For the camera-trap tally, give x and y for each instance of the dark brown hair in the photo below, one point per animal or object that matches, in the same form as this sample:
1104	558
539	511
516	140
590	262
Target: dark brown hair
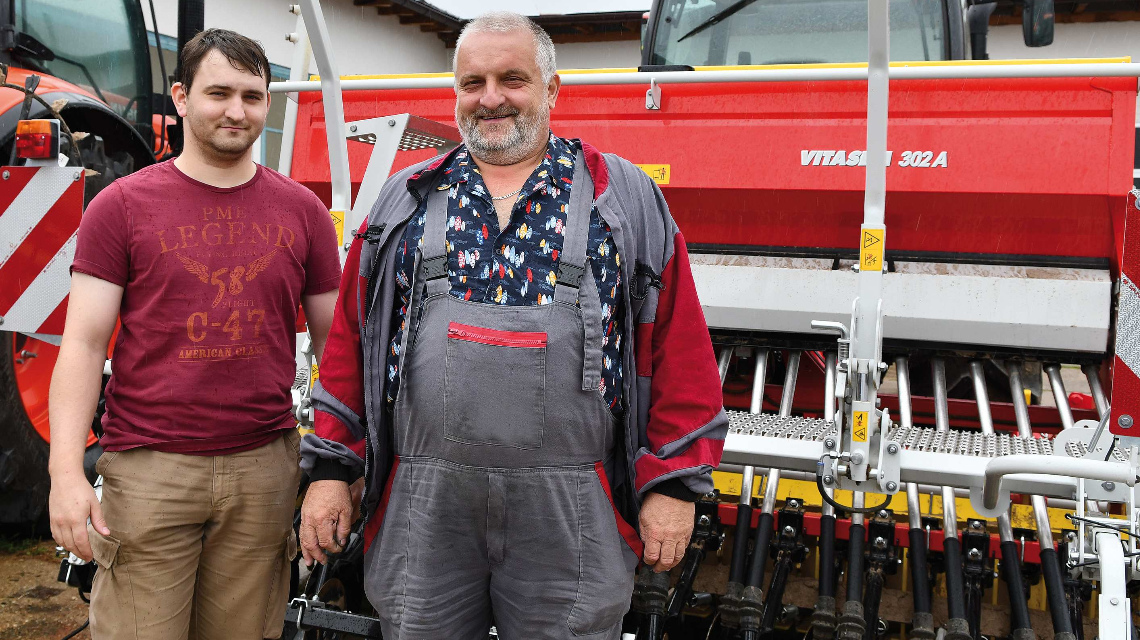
242	52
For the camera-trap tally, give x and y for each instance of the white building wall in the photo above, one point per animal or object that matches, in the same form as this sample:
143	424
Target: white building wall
599	55
363	41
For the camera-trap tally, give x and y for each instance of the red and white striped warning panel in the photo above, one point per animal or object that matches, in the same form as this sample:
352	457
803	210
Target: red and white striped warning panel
41	211
1125	420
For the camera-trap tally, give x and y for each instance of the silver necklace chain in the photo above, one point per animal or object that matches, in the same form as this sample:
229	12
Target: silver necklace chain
511	194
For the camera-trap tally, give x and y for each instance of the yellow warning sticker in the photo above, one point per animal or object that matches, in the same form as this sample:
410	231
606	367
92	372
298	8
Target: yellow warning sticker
859	426
338	222
871	249
659	172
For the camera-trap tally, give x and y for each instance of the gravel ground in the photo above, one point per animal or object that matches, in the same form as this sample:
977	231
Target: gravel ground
33	605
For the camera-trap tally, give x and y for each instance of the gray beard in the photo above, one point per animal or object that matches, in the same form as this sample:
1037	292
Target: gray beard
527	135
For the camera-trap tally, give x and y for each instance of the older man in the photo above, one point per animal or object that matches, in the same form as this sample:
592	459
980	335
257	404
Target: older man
519	367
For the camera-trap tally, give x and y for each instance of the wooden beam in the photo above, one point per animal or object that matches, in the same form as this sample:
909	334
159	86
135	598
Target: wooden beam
433	27
388	10
372	3
414	18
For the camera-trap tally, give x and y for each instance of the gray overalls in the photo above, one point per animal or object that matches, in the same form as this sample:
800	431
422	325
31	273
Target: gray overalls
498	503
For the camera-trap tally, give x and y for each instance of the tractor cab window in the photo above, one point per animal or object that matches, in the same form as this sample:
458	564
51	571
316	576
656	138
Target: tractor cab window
742	32
113	65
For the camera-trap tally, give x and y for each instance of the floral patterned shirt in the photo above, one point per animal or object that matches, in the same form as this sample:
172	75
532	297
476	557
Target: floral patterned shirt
516	265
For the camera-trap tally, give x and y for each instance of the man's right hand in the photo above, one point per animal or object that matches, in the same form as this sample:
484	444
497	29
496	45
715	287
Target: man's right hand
326	520
71	501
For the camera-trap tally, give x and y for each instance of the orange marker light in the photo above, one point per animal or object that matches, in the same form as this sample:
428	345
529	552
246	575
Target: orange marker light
37	139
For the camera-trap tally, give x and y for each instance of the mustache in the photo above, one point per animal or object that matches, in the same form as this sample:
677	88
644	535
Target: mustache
482	112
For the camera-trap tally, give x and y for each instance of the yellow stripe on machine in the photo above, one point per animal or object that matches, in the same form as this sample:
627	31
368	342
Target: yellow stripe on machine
1021	515
830	65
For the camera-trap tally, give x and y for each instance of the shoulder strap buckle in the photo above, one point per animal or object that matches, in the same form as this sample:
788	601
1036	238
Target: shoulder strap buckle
570	274
372	234
435	268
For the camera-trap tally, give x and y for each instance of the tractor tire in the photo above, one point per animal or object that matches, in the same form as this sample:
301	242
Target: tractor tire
24	480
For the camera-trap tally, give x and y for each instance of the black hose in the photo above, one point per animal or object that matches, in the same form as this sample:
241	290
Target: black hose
827	556
846	507
759	561
655	627
858	536
1018	603
774	605
918	571
955	589
740	543
78	630
1055	592
872	596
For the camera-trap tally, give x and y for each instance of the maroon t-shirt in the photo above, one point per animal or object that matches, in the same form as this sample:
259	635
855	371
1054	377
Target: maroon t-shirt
212	279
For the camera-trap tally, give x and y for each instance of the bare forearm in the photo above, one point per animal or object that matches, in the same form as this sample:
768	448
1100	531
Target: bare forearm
75	386
319	314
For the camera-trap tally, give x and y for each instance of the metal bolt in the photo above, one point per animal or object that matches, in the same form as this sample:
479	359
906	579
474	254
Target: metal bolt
880	543
1071	536
77	176
892	486
828	443
974	554
7	174
793	503
703	521
1108	486
1114	601
1125	421
884	514
392	123
857	457
352	128
892	448
975	525
1	319
789	531
827	480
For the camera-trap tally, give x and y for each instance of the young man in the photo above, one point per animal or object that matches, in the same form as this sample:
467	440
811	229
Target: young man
204	260
520	366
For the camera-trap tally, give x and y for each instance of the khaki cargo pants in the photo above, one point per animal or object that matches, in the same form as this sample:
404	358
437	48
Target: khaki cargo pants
200	546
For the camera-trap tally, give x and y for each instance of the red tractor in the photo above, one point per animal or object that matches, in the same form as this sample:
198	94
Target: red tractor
91	63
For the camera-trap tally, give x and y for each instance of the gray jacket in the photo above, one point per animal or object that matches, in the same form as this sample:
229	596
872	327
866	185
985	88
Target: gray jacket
674	420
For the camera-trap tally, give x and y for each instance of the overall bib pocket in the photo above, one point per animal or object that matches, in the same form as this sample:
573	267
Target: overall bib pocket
480	364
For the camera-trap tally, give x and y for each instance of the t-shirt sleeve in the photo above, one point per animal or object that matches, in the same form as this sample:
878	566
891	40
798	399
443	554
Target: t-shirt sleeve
322	270
102	248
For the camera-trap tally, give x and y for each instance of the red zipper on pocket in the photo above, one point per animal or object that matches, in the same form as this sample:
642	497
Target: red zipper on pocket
535	340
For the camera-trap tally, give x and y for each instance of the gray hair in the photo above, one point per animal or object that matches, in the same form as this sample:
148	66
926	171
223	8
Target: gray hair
506	22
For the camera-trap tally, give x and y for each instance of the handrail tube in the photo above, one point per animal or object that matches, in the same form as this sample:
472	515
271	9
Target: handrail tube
842	74
1099	470
331	91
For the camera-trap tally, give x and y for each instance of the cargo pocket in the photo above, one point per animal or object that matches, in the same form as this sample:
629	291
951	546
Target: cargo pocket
104	549
607	560
279	590
475	410
111	588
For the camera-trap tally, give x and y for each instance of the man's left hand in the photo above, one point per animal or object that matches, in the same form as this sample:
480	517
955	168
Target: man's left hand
666	524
